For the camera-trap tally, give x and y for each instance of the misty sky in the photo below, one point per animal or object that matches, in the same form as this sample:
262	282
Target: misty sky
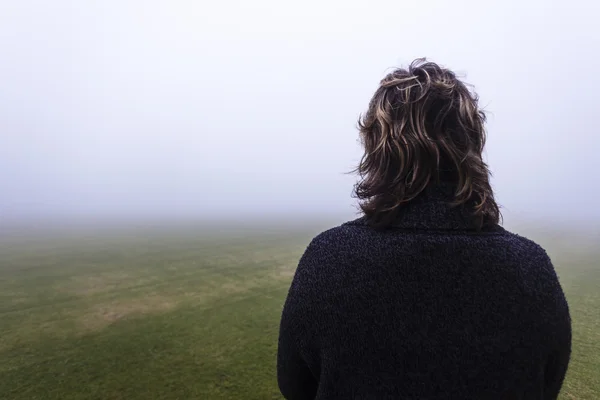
141	108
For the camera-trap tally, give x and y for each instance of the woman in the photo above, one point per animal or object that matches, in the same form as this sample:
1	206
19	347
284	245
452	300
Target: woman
425	296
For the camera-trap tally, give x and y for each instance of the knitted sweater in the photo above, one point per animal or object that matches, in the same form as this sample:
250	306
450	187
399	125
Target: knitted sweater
431	308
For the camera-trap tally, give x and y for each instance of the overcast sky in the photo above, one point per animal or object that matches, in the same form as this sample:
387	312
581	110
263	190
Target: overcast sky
176	107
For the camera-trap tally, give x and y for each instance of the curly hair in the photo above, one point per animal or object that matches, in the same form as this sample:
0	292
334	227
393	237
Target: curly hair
423	125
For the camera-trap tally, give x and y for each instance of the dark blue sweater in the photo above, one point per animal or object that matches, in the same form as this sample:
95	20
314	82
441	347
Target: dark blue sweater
430	309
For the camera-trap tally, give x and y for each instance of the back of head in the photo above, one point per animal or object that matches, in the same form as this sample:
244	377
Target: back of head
423	127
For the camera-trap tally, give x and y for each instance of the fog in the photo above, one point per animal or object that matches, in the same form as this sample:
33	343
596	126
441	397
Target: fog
177	109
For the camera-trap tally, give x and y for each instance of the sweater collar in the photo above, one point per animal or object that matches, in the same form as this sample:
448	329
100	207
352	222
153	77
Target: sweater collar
431	210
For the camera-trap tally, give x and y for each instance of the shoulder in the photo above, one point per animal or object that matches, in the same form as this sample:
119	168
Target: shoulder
527	249
332	248
344	236
535	265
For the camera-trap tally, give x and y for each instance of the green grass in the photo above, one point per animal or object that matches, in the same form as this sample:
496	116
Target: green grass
181	314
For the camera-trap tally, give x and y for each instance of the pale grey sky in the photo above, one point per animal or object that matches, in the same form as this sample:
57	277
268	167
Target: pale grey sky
203	108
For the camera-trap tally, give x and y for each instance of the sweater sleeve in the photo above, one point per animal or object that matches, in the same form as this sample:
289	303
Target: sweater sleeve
295	378
558	359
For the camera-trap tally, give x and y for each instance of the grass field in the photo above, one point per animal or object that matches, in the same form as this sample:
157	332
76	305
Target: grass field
178	313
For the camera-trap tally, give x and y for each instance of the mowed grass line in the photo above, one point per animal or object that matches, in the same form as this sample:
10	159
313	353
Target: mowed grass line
188	315
95	326
226	353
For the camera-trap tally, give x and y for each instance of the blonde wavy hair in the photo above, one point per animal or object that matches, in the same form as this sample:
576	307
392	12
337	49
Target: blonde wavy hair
423	125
